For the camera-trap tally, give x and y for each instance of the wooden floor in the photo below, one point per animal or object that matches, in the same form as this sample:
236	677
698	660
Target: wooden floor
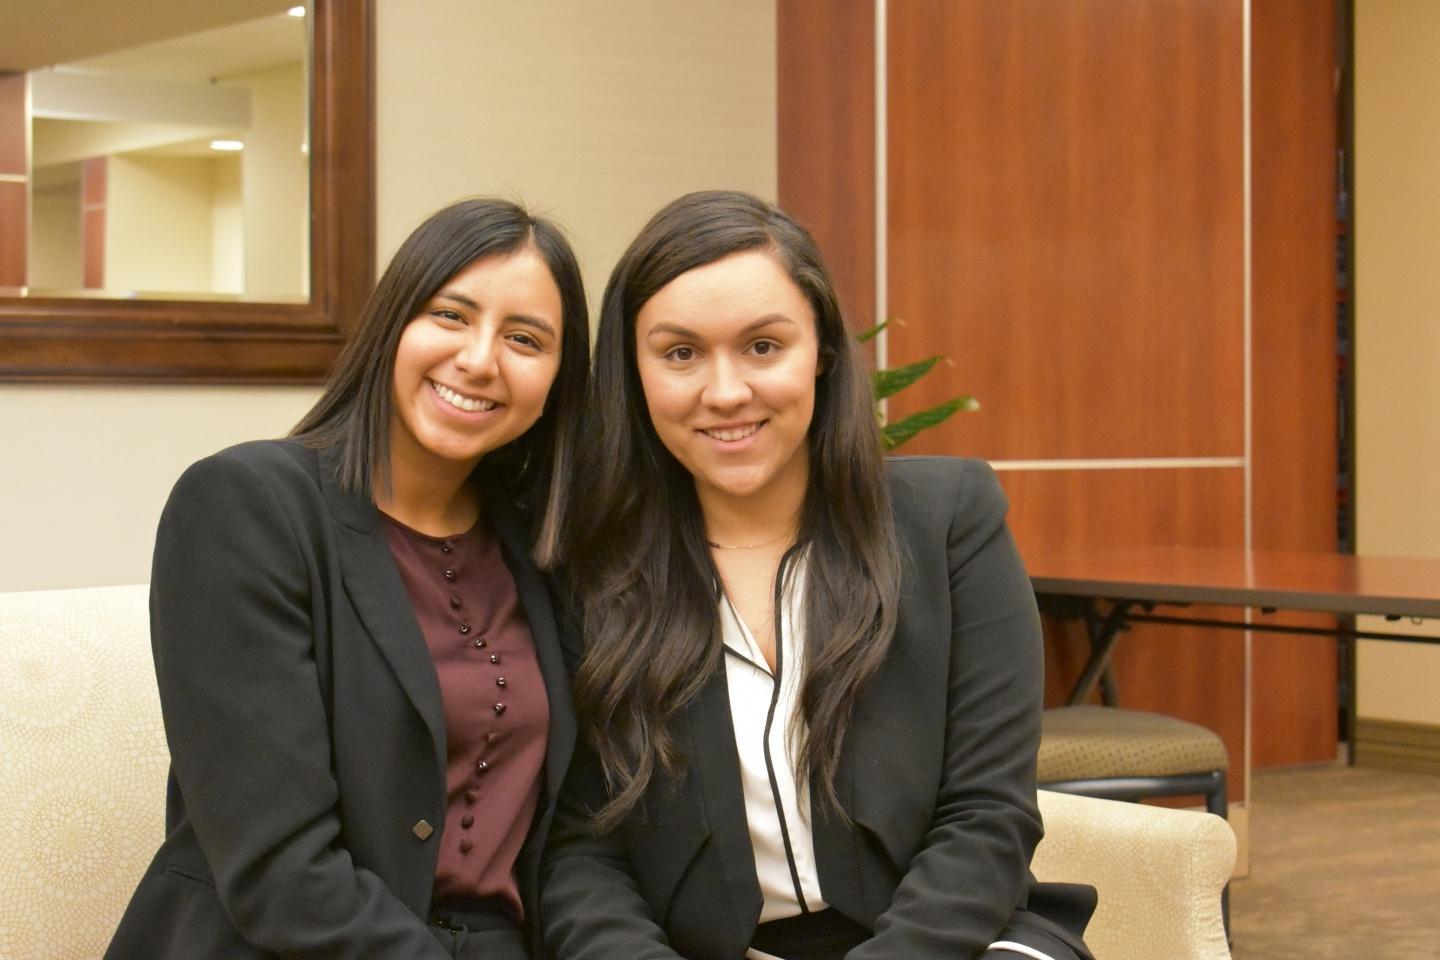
1345	865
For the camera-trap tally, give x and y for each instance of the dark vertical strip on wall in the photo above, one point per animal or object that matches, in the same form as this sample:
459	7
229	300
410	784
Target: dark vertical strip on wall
1293	324
94	189
14	185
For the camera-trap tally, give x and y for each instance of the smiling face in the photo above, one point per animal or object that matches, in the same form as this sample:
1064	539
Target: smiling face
473	368
728	355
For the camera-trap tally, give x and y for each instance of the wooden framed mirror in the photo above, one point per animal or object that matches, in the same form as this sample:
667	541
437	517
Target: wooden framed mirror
185	339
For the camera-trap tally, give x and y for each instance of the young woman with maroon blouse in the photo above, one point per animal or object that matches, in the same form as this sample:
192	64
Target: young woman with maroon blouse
364	688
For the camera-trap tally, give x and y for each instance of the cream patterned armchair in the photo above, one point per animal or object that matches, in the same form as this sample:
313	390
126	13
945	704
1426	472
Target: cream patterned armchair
82	792
82	800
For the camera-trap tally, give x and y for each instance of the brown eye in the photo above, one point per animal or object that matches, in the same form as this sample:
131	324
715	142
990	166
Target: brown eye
682	354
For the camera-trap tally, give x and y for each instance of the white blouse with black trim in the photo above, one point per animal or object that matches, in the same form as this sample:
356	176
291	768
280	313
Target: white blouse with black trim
763	711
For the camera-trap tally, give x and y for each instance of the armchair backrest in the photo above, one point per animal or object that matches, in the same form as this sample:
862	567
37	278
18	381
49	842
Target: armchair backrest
82	800
82	795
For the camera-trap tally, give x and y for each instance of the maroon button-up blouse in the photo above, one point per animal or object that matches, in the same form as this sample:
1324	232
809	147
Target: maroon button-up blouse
497	716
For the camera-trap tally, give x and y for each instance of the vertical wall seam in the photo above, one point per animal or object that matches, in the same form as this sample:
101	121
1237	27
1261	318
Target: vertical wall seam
1247	272
882	176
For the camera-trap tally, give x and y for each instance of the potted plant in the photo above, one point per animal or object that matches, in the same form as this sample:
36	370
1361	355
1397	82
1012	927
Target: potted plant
889	382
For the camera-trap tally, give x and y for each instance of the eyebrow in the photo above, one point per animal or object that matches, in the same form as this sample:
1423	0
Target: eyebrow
683	331
522	318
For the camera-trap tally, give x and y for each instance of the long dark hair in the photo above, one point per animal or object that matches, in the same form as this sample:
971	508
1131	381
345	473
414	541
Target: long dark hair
640	564
353	414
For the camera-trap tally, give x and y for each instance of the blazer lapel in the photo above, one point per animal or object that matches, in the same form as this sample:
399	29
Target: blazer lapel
865	788
535	598
837	857
876	759
716	765
375	589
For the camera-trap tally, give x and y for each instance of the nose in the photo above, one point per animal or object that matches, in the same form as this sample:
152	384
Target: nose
479	353
727	386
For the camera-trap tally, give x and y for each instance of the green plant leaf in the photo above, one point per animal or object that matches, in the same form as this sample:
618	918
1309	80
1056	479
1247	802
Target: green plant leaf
873	332
894	434
887	383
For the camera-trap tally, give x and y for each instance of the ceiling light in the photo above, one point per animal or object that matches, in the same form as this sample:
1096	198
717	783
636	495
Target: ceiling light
229	145
296	11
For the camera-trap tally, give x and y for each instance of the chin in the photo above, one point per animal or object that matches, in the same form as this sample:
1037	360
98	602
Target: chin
455	452
743	485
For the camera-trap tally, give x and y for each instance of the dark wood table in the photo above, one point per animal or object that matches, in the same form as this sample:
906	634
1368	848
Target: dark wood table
1135	581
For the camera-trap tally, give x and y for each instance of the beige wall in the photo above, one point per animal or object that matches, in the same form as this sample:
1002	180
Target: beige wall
1397	313
275	183
87	469
158	213
55	237
228	227
596	113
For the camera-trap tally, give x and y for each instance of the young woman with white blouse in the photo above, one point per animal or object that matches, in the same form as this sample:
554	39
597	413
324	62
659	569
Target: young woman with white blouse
811	688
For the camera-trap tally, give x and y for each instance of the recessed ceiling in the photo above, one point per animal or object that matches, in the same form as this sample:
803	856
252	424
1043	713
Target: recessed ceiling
42	33
225	51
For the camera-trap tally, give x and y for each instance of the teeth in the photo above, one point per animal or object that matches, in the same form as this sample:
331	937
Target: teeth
731	434
461	402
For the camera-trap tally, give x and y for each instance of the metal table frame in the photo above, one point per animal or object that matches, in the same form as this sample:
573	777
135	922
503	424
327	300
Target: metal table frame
1113	590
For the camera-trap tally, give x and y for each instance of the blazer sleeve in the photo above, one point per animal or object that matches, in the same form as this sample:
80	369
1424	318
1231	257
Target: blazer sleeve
972	871
590	902
234	611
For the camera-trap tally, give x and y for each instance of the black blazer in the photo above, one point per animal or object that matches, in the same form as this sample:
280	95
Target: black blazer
304	720
937	774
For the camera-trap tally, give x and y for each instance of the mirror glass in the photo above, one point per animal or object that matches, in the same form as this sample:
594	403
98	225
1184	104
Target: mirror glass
176	167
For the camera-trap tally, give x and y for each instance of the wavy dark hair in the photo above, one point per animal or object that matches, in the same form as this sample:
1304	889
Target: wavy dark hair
353	413
648	589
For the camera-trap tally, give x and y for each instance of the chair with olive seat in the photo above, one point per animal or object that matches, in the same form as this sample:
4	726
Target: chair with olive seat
1120	754
1124	754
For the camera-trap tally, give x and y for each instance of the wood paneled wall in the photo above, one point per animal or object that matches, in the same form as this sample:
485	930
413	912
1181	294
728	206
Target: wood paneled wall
825	110
1293	459
1065	213
1067	221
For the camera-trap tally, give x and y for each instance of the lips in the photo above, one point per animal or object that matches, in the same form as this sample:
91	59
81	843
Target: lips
461	402
732	432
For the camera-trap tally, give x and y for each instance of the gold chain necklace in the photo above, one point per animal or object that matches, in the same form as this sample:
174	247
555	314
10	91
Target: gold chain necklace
749	546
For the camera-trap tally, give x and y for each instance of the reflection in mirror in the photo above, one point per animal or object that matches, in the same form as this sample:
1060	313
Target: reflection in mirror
175	168
269	332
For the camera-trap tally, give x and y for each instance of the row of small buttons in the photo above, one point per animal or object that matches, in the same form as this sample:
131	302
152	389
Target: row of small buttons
482	766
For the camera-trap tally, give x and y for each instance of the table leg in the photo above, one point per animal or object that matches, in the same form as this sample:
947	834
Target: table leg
1109	688
1103	633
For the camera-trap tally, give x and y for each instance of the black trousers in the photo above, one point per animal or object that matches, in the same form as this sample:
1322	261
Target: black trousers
829	935
478	931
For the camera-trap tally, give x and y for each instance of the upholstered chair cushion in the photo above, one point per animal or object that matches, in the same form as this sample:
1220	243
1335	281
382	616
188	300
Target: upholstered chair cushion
82	800
82	796
1091	742
1158	871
